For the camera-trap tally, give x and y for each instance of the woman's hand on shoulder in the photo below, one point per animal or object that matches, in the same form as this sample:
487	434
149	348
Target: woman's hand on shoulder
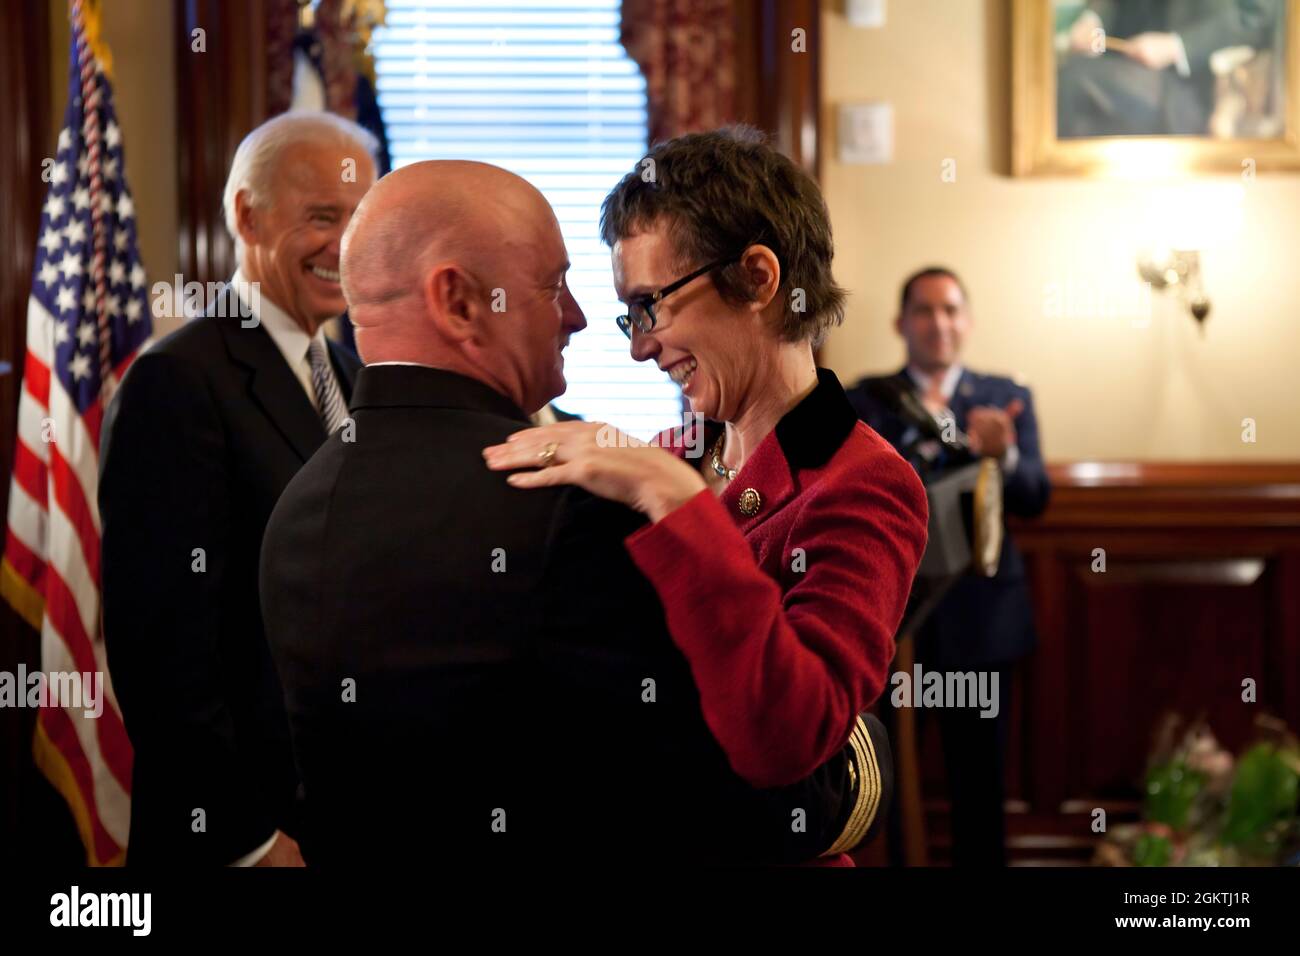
601	459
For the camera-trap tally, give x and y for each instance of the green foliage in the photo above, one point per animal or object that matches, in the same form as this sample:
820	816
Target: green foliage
1152	850
1263	794
1171	789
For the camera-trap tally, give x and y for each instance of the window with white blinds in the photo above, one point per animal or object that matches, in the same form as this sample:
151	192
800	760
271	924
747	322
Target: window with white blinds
544	89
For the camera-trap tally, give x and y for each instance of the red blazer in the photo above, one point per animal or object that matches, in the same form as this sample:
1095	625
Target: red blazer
785	593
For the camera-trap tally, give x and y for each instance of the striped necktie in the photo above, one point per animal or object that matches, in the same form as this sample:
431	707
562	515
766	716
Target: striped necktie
329	400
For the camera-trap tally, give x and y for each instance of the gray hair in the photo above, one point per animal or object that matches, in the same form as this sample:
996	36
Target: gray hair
260	151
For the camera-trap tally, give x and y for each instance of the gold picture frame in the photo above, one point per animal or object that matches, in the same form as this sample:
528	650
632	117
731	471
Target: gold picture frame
1036	149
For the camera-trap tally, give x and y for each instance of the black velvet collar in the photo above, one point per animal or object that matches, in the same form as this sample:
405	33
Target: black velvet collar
811	432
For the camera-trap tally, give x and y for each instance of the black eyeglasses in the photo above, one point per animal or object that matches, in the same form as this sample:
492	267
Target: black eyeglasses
641	310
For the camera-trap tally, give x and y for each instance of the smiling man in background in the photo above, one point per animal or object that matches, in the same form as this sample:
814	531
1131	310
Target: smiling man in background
203	435
982	624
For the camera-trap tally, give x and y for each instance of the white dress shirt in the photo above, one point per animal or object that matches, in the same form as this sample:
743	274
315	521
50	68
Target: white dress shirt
1182	65
289	337
948	388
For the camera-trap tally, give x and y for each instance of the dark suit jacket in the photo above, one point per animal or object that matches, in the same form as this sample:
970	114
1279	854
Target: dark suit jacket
981	621
206	430
475	672
1204	25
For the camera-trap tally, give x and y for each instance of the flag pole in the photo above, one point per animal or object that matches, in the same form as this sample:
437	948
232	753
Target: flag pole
84	11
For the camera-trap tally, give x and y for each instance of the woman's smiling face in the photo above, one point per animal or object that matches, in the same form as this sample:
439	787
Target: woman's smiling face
705	344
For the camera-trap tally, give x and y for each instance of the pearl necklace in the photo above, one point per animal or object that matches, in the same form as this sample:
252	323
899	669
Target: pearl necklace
722	472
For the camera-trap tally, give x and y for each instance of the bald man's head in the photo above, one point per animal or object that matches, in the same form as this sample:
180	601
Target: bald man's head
462	266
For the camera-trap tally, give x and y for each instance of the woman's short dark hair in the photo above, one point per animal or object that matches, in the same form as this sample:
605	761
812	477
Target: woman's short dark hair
725	190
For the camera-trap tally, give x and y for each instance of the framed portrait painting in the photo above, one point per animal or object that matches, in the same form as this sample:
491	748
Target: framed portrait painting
1119	87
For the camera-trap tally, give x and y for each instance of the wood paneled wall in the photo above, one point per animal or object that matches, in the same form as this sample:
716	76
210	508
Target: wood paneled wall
221	96
778	88
1201	590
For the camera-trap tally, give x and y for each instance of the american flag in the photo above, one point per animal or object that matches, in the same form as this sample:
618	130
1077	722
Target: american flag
87	317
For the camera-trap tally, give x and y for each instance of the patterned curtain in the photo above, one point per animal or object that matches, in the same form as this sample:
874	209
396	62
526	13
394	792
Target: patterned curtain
281	28
686	51
330	44
336	39
333	38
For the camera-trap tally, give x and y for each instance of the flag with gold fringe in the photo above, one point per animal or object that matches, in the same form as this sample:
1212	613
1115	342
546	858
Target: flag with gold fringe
87	318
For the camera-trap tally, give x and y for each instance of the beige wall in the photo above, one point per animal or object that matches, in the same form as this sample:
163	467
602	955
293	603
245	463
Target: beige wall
139	36
1050	262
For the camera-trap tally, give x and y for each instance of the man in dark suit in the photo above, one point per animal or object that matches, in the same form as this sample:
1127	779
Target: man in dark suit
1157	79
206	430
475	673
983	624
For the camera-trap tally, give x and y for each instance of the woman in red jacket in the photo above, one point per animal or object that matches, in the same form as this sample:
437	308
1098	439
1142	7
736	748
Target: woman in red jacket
784	533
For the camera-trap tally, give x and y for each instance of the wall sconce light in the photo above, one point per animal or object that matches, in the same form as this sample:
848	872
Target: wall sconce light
1180	270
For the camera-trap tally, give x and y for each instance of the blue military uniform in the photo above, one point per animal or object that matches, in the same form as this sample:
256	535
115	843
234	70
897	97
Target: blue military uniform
982	624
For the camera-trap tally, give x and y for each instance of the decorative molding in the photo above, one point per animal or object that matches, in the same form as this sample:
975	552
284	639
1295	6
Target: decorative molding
221	96
1133	495
778	89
